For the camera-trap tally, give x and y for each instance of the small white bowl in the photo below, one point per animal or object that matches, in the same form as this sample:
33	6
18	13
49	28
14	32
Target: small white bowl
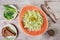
14	29
14	14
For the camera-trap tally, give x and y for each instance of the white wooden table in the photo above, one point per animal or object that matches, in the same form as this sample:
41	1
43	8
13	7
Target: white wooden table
55	6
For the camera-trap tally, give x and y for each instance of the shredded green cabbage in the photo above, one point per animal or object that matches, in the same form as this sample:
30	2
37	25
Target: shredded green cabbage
32	20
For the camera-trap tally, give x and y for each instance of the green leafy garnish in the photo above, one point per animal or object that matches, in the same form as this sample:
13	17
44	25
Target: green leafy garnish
8	15
9	12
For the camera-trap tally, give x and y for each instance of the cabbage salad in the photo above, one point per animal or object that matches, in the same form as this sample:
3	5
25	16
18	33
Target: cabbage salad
32	20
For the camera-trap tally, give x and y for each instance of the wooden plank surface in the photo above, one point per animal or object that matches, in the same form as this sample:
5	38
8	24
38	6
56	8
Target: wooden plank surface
55	6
